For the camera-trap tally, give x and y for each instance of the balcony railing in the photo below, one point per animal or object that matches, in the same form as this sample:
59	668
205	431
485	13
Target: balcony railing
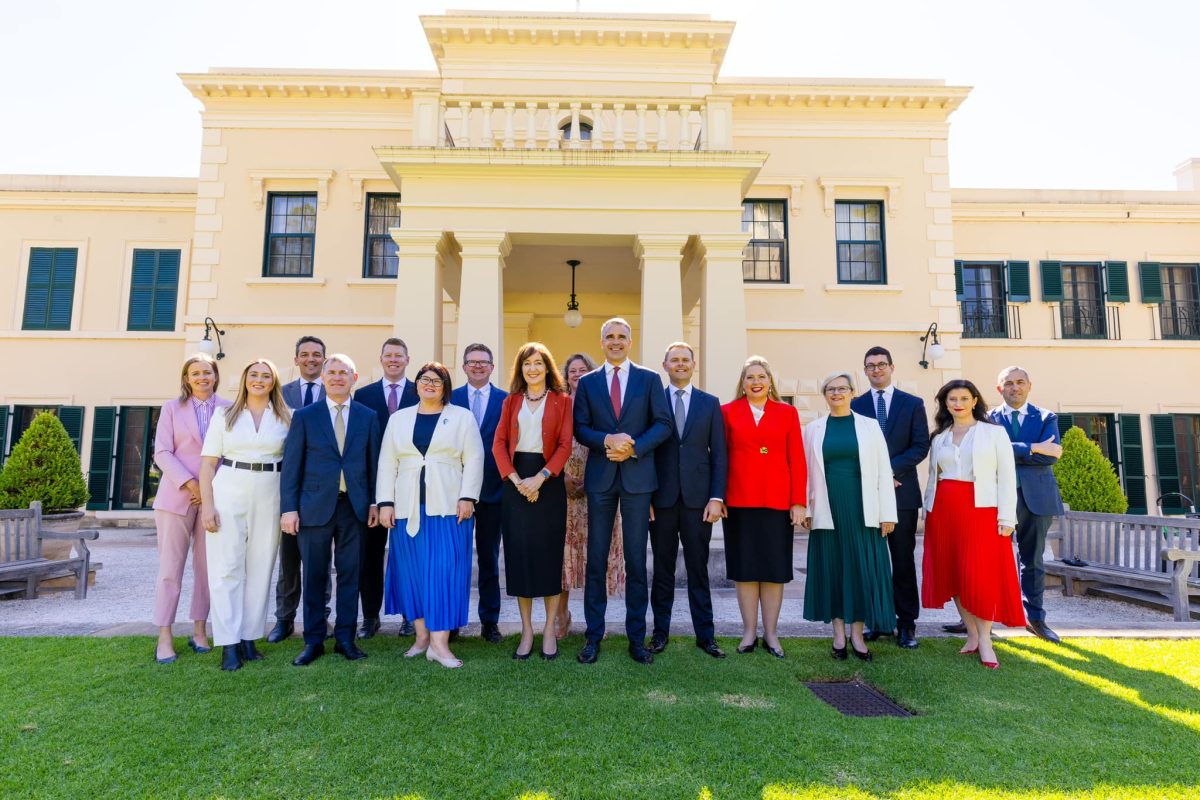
988	319
1088	319
1180	320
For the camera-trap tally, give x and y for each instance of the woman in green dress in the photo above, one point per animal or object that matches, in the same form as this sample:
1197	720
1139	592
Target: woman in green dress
852	507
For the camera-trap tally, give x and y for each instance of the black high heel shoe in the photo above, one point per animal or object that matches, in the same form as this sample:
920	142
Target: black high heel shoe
863	656
775	651
522	656
547	656
747	648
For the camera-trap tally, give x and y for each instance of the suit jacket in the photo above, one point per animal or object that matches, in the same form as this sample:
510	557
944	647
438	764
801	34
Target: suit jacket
878	491
644	416
693	467
177	446
557	428
907	434
375	396
995	477
766	461
293	394
1034	470
492	486
312	464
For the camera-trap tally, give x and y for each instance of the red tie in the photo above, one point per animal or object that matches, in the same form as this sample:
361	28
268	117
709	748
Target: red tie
614	392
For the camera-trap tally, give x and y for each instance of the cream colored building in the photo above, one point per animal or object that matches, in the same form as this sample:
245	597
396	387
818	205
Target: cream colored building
805	220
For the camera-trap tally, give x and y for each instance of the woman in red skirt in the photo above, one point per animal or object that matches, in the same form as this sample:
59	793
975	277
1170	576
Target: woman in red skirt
971	510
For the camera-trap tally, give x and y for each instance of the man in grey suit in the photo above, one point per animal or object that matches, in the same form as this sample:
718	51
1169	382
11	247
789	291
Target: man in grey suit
307	389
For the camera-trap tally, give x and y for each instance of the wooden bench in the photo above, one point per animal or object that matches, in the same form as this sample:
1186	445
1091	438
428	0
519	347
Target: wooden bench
21	561
1157	554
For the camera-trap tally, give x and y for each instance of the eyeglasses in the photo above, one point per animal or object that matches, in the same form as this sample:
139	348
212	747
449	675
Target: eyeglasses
837	389
435	382
477	364
876	367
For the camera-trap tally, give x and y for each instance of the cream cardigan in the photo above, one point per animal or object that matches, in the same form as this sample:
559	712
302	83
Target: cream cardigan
878	490
995	471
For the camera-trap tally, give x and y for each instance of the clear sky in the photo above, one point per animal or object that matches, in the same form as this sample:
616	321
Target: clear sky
1067	94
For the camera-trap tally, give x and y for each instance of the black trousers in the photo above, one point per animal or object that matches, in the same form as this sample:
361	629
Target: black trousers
343	535
1031	543
671	526
902	542
370	576
487	552
287	588
635	524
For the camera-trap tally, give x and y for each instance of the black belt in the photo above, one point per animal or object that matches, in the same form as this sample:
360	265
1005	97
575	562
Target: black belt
263	467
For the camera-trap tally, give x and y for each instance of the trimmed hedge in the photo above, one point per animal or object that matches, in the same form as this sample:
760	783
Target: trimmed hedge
1086	478
44	466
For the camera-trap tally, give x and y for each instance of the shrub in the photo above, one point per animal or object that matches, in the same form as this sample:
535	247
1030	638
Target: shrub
1086	478
43	466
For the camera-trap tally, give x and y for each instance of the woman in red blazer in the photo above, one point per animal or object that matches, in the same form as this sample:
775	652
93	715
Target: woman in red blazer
765	498
532	445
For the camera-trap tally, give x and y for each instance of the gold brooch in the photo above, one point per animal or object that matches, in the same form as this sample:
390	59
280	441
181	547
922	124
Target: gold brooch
762	450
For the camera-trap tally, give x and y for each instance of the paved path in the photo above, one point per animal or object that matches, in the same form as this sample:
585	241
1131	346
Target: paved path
121	600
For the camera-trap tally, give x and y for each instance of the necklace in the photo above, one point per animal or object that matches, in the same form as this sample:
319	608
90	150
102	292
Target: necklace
533	399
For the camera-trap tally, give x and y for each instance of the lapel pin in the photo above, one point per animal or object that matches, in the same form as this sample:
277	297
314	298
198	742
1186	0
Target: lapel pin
762	450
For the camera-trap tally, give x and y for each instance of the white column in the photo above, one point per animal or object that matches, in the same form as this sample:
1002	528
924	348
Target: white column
418	308
481	292
464	130
530	125
575	143
509	109
486	112
722	313
597	128
641	127
685	127
552	134
659	256
662	127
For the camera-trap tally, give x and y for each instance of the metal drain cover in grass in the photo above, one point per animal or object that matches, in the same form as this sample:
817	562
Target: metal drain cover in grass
857	699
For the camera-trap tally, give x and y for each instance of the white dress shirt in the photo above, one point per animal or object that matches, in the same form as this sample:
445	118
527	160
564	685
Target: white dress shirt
955	462
333	412
529	428
622	377
687	399
887	398
1008	411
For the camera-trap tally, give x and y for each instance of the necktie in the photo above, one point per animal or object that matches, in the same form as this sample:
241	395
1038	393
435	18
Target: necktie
477	406
393	399
880	408
680	413
308	394
1014	421
339	433
614	393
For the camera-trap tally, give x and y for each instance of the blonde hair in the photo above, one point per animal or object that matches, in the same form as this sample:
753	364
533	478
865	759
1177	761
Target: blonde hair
275	398
342	357
833	376
756	361
588	361
185	388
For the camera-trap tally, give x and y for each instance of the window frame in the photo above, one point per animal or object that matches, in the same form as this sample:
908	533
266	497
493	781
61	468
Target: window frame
1169	299
155	286
1187	457
269	237
369	237
1100	303
1000	279
784	261
27	283
881	241
149	472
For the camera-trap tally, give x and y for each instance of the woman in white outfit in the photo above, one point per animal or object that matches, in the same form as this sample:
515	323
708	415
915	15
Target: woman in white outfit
240	509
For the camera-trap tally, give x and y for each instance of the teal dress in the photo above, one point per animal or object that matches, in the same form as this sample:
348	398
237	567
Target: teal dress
849	568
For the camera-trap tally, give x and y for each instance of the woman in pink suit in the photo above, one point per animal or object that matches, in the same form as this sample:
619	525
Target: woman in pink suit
182	424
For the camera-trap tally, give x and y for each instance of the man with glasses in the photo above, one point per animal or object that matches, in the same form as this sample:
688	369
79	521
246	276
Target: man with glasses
906	428
485	401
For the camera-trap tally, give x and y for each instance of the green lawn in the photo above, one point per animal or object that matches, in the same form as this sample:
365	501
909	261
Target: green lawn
95	718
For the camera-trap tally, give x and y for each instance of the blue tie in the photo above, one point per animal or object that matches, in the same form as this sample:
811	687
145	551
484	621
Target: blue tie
880	409
308	394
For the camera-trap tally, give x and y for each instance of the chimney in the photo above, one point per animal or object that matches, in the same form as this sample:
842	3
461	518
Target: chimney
1187	176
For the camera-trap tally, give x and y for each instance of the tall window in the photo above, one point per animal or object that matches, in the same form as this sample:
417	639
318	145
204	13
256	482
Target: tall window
860	241
380	259
1101	429
1187	448
153	290
50	289
137	475
1180	308
1083	302
765	256
983	302
291	233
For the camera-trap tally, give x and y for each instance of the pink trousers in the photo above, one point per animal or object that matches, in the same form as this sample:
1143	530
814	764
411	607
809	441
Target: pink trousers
176	532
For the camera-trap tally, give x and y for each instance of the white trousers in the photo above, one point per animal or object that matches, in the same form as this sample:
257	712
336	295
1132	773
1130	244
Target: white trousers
241	554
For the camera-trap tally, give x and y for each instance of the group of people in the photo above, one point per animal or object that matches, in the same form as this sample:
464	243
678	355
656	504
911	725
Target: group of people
406	484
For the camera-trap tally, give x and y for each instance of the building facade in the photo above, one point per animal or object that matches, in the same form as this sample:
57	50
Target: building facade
803	220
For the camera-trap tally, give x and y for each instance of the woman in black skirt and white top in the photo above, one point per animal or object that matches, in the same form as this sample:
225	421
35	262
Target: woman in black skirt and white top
532	445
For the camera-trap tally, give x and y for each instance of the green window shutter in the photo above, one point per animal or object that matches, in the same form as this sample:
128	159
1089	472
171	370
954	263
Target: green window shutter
1150	277
958	280
1018	282
1133	462
49	289
100	465
4	415
71	418
1117	273
141	290
153	290
1052	287
1166	459
166	291
1065	423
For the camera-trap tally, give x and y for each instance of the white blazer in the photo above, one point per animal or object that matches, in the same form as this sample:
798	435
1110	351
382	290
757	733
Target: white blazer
878	490
995	471
453	465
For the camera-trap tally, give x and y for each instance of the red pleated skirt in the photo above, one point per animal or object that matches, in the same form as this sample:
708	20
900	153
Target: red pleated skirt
967	559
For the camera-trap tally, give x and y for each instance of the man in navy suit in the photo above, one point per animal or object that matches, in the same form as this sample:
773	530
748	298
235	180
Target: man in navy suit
327	498
1036	448
690	467
621	416
484	401
385	397
906	428
304	391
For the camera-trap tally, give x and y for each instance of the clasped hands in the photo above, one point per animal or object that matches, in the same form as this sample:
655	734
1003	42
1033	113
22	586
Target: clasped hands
528	487
618	446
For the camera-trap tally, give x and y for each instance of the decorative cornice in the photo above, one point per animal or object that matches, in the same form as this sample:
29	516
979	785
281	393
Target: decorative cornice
1082	205
320	177
358	179
804	93
830	187
793	184
319	85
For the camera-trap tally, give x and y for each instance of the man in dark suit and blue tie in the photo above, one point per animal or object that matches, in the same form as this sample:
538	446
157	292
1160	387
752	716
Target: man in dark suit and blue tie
485	402
1037	447
621	416
327	498
690	467
385	397
906	427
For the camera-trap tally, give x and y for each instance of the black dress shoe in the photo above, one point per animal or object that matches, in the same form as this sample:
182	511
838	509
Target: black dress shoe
370	626
747	648
231	657
589	653
1040	630
658	643
710	647
775	651
959	628
309	654
349	650
282	630
871	635
864	656
407	628
249	651
839	653
907	638
490	632
640	654
168	660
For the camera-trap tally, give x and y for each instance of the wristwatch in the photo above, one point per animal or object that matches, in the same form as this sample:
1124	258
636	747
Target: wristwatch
546	473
